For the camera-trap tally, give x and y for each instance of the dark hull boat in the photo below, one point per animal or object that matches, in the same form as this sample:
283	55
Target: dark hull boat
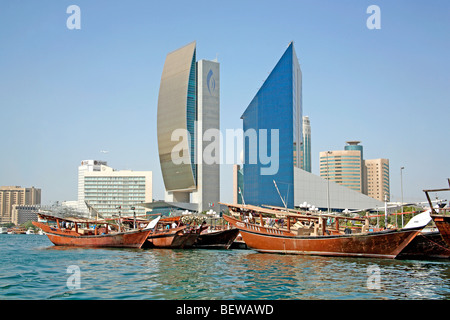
218	239
426	245
176	238
170	233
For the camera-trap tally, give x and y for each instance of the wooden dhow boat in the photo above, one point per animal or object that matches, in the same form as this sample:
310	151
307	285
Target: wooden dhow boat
293	232
216	239
172	233
82	232
440	216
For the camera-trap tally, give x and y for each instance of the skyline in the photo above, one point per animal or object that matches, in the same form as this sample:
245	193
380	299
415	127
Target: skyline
66	95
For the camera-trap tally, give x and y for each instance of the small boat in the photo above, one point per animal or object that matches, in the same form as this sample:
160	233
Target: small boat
172	233
295	232
216	239
82	232
3	230
30	231
17	230
441	215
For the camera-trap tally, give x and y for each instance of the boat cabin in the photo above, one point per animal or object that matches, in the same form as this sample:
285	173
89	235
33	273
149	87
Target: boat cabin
301	223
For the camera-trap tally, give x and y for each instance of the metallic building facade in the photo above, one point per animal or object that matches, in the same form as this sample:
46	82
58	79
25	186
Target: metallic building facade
276	106
176	120
188	107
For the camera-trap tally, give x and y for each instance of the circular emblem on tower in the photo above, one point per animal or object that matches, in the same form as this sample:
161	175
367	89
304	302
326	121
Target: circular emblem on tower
211	82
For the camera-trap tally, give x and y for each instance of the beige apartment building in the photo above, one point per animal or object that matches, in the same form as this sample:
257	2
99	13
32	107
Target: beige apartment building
343	167
377	173
348	168
16	195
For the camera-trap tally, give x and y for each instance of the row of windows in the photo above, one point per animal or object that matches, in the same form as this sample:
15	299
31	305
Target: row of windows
114	178
112	197
113	187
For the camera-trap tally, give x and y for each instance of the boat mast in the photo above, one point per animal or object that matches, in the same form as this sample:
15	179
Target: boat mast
285	205
242	196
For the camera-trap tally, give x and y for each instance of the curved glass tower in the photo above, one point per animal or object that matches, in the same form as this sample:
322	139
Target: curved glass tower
188	106
176	120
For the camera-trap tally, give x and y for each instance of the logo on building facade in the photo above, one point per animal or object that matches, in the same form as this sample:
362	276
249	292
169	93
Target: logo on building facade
211	82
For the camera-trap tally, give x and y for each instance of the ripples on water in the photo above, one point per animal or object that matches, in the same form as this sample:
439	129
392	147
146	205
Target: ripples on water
32	268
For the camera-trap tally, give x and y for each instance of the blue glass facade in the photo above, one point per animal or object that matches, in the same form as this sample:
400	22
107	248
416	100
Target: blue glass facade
191	113
277	105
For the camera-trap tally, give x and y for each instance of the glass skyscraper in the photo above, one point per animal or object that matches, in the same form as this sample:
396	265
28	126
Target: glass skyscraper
306	147
276	106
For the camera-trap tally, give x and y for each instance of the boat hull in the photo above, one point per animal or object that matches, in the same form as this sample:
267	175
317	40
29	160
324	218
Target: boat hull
383	244
221	239
426	245
171	239
131	239
442	222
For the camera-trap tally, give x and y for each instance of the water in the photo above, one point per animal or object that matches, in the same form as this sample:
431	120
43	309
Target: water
32	268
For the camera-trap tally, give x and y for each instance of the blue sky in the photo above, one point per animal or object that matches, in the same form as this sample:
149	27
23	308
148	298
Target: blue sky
67	94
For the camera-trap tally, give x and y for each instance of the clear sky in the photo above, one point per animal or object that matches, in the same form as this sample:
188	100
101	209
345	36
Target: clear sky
65	95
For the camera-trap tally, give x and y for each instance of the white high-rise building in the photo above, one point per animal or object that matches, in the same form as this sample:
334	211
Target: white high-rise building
110	191
86	166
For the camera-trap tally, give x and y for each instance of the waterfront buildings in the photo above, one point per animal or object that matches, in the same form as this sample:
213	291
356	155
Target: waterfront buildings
344	166
188	110
275	115
349	168
377	173
16	195
110	191
24	213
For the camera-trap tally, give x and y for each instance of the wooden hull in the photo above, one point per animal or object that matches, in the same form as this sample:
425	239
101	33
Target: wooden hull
383	244
426	245
221	239
442	222
131	239
171	239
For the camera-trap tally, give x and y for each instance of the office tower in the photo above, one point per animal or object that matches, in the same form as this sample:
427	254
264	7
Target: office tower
277	106
16	195
188	106
274	116
349	168
238	184
24	213
344	166
306	146
377	178
110	191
